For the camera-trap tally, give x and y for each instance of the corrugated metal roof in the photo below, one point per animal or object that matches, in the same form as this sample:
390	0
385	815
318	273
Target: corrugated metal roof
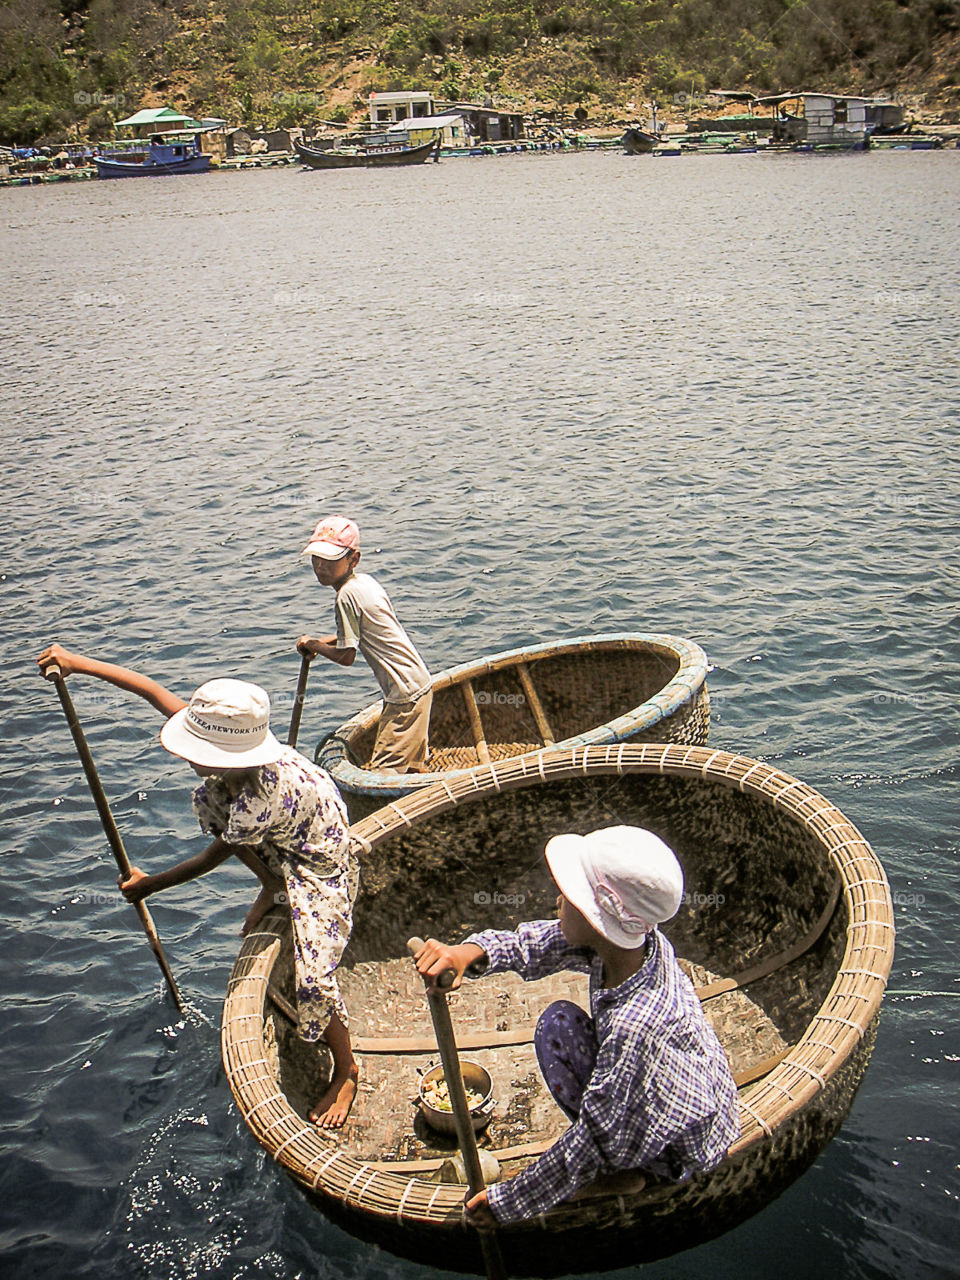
425	122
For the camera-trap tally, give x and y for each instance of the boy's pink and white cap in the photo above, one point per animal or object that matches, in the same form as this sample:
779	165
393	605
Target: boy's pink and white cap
225	726
623	880
333	538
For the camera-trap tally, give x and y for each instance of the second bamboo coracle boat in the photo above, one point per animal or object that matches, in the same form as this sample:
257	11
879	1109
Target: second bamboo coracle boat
639	686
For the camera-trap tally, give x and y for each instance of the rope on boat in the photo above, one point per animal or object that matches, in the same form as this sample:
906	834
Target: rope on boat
800	1066
301	1133
835	1017
743	780
356	1177
755	1115
403	1200
274	1097
325	1166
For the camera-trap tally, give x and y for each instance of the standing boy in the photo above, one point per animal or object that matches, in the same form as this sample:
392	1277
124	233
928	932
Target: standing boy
366	621
644	1081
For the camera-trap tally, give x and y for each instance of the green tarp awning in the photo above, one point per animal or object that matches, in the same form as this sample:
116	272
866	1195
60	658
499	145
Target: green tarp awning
161	116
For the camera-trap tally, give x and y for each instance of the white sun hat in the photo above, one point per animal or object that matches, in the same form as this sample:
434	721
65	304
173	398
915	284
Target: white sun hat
225	726
623	880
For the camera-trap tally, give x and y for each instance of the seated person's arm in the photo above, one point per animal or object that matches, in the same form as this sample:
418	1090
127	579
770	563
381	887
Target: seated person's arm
435	958
534	950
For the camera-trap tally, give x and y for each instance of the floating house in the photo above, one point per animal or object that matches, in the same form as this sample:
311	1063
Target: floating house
487	124
480	123
451	128
830	120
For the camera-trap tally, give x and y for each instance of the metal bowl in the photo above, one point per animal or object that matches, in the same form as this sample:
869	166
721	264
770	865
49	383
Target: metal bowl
474	1077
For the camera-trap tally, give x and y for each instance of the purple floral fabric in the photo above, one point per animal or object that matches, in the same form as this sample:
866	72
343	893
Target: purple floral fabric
292	817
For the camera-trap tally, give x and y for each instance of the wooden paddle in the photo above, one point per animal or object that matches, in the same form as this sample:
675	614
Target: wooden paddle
110	827
298	698
467	1139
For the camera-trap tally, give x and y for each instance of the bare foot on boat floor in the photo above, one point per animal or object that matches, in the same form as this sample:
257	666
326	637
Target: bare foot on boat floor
334	1107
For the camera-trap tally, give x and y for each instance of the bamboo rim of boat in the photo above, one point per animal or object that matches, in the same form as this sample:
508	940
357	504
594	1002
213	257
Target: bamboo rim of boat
844	1018
680	691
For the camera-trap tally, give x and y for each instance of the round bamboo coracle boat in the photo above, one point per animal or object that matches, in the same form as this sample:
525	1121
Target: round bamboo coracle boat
638	686
786	929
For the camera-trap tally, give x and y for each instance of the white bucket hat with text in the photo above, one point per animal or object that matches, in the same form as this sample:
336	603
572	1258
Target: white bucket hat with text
226	725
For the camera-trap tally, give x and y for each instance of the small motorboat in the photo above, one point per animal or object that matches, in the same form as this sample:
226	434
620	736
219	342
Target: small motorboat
640	142
786	931
164	156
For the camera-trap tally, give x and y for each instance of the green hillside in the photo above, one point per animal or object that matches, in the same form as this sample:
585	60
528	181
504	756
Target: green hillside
83	63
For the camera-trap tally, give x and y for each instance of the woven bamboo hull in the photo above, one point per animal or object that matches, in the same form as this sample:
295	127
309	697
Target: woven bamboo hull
638	687
804	928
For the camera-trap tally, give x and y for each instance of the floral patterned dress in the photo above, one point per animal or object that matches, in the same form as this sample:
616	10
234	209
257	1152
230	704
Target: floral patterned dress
292	817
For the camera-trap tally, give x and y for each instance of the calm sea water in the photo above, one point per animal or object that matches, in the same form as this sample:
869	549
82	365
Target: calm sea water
562	395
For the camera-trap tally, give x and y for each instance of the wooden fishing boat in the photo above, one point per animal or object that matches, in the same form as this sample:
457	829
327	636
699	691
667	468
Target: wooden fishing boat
786	929
366	156
637	686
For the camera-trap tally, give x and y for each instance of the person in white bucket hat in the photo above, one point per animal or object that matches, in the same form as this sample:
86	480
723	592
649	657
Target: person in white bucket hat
282	816
642	1078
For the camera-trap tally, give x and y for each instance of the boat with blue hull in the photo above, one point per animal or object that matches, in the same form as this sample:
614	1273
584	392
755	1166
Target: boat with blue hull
163	156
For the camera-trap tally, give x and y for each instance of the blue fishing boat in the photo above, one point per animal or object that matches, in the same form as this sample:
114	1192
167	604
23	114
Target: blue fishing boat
163	156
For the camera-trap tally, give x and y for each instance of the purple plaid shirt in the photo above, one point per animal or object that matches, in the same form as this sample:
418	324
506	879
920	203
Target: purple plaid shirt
661	1078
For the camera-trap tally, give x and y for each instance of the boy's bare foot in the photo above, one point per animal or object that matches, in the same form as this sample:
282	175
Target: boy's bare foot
264	903
334	1107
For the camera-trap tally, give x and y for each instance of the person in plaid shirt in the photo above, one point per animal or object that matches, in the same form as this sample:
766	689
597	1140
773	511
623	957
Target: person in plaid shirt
644	1079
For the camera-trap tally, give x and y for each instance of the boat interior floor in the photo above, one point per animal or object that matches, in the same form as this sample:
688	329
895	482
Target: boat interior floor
494	1019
